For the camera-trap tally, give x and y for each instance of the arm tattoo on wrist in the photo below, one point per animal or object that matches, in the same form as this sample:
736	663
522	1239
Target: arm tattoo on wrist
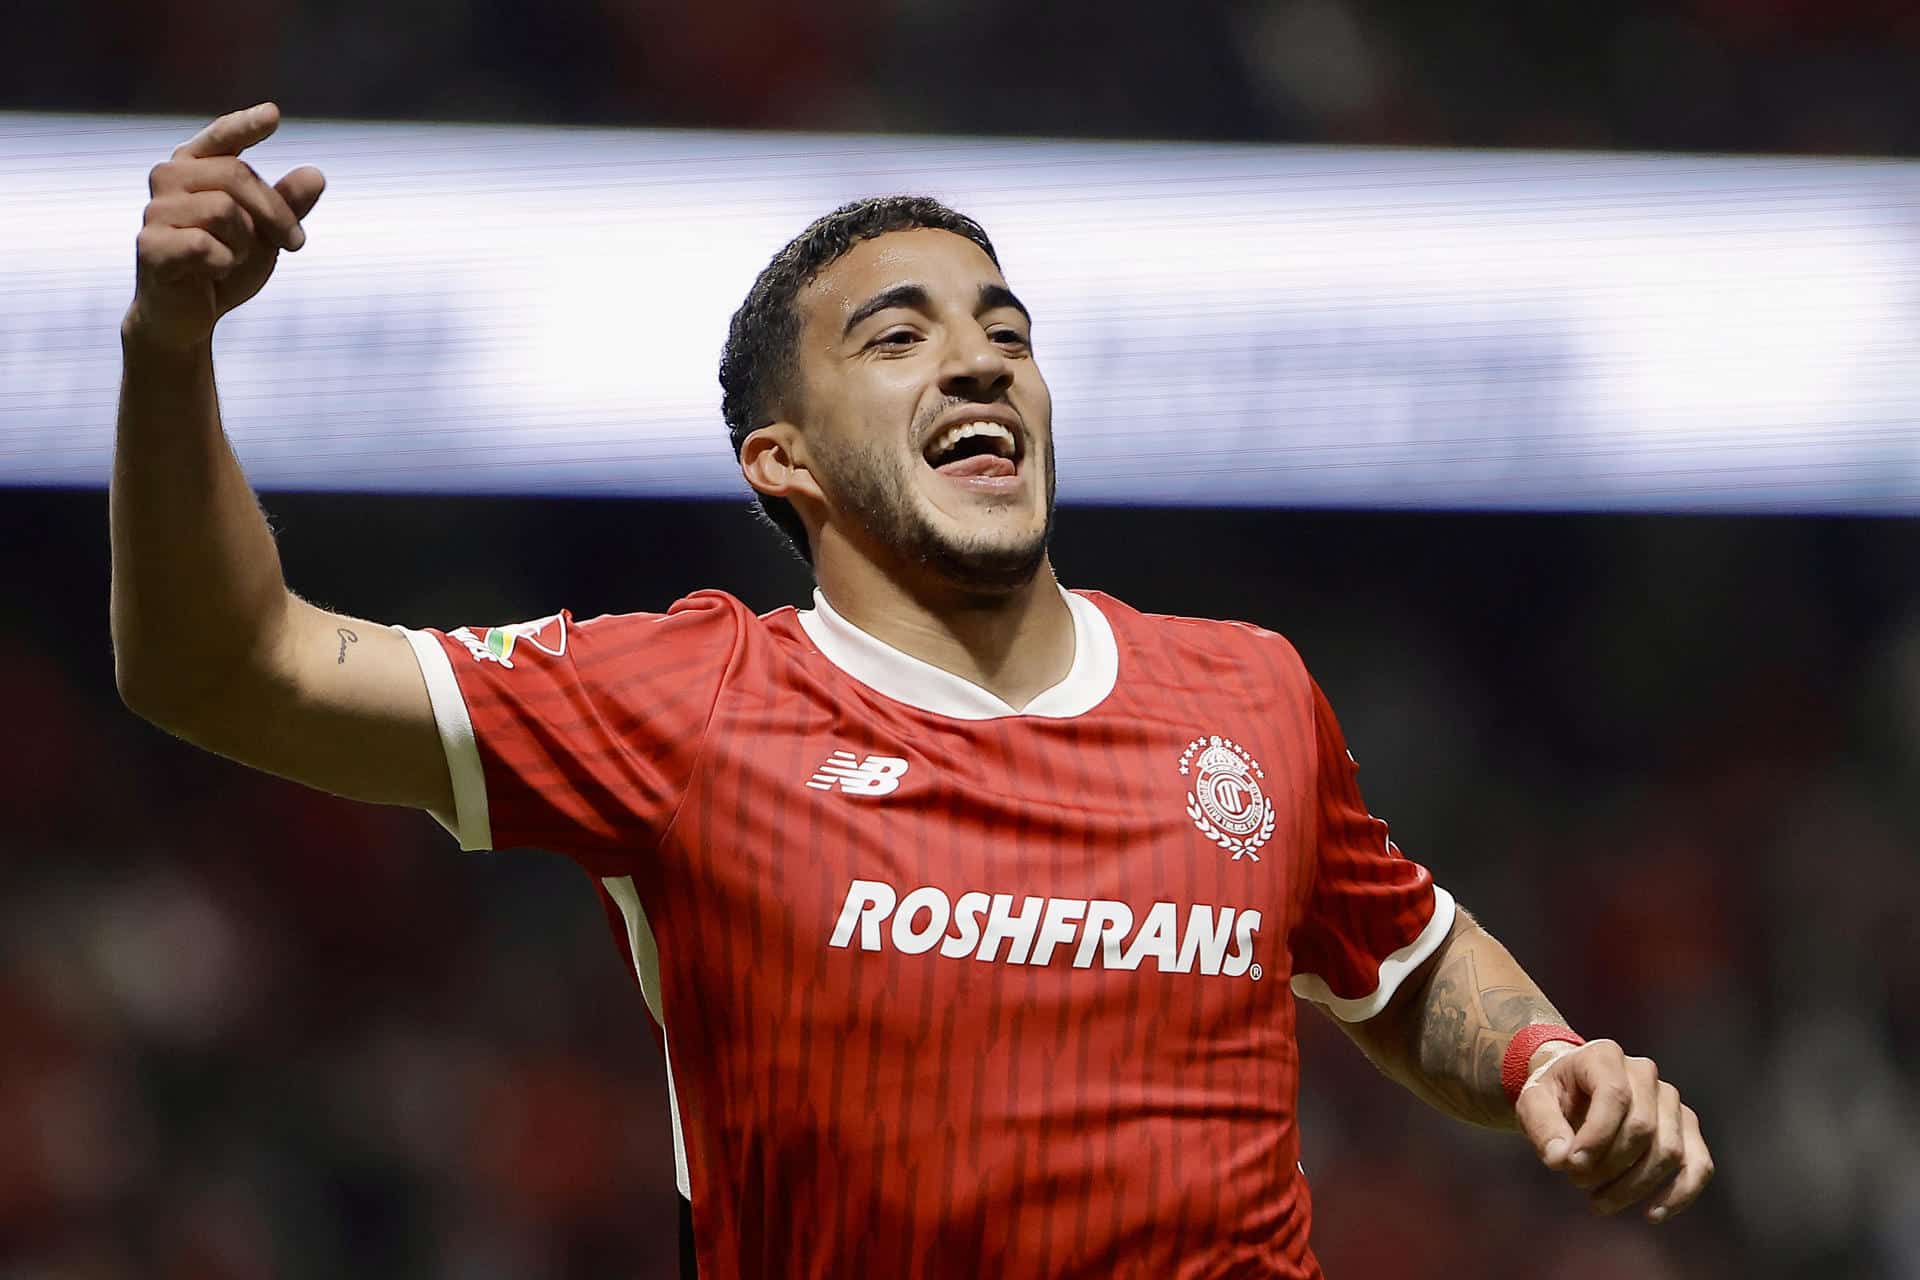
347	636
1464	1030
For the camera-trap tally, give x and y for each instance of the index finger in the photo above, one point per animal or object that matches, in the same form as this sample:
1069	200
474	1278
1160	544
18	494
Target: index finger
232	133
1608	1102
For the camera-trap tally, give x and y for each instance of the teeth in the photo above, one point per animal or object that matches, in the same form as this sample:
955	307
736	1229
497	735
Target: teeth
946	440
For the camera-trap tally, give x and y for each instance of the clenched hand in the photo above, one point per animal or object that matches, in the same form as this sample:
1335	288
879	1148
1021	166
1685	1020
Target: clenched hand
1616	1129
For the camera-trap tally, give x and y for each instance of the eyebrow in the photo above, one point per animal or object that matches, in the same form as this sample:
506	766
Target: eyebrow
991	297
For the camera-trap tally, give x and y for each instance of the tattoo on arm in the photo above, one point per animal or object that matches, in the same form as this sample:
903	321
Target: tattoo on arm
347	637
1463	1034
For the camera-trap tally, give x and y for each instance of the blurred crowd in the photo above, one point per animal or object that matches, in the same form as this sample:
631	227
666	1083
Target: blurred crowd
1829	76
251	1031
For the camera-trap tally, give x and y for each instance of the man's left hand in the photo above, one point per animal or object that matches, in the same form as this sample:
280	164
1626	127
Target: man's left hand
1634	1137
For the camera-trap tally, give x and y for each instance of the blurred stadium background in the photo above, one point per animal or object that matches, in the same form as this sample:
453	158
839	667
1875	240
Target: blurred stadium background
1658	726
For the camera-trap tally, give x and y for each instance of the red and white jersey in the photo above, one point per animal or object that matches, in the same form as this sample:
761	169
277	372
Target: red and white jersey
946	988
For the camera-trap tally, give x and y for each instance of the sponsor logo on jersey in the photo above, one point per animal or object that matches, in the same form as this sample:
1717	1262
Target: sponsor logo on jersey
1226	802
872	776
496	644
1083	933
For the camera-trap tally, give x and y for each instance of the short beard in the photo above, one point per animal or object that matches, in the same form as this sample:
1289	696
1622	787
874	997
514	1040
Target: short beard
875	495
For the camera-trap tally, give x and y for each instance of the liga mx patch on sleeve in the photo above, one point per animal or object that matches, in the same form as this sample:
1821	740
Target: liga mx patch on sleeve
547	635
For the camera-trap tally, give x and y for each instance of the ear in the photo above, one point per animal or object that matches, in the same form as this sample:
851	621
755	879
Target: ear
774	461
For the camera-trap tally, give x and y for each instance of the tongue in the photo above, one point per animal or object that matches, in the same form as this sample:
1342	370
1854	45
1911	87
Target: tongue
980	464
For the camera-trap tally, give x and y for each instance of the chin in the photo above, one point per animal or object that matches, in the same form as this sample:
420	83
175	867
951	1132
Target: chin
985	550
993	563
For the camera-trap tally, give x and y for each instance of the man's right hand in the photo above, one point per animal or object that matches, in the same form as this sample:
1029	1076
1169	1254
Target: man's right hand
213	230
207	641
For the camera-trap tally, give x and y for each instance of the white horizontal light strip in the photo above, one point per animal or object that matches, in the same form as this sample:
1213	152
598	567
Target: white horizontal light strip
485	309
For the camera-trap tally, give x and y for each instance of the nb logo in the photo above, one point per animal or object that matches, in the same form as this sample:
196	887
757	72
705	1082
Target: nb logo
873	776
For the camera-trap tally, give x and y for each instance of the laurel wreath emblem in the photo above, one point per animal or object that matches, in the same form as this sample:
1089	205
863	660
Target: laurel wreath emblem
1234	845
1248	769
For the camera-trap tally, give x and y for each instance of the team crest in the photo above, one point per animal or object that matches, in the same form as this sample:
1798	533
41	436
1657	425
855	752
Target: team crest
1226	802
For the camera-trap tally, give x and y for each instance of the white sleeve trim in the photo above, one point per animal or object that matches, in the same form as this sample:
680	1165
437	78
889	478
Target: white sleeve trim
646	966
1393	970
470	823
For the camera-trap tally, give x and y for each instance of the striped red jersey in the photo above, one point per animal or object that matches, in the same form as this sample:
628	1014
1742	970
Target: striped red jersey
946	988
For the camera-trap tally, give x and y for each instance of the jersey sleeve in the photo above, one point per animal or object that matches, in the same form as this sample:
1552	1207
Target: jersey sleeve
578	737
1373	915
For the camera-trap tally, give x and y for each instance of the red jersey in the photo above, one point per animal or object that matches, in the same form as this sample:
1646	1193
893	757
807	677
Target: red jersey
946	988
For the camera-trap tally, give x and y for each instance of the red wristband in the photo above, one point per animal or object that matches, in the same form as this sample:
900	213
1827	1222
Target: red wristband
1527	1042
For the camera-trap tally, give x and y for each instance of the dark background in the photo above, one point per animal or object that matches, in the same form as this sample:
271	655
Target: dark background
247	1030
1769	75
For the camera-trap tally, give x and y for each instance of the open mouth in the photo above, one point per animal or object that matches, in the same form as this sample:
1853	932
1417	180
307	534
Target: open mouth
974	450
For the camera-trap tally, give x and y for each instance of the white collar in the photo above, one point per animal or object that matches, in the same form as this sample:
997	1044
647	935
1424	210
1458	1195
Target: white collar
905	678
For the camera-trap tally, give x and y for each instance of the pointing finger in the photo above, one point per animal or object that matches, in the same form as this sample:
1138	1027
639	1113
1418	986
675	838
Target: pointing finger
232	133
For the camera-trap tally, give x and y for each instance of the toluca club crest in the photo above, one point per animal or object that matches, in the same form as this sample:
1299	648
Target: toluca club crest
1226	802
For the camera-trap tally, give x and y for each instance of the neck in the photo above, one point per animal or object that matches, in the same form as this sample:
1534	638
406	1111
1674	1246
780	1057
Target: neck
1015	644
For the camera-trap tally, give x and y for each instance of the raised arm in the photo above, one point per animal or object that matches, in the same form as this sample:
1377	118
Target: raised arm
208	642
1605	1120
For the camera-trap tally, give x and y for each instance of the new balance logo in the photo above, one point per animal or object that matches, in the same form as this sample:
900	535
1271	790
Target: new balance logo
873	776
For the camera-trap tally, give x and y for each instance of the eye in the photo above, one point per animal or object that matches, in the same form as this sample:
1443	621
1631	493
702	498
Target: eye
896	338
1008	335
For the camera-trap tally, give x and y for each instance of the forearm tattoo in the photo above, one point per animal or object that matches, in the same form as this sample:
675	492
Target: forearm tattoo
347	637
1463	1032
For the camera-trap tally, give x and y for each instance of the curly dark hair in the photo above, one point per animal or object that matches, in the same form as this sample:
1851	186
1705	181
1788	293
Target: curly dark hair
757	365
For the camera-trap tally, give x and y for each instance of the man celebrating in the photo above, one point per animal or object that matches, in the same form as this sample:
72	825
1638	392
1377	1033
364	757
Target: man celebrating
971	911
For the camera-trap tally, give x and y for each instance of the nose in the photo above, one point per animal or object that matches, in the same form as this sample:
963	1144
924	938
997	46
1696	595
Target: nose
974	368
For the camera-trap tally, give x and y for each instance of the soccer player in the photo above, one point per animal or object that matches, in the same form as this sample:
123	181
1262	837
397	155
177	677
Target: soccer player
971	912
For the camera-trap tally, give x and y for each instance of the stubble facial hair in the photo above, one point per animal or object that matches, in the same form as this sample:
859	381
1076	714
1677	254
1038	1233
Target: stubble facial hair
873	492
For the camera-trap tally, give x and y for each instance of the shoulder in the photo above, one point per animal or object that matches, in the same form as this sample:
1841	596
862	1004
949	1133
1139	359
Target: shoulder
714	626
700	610
1215	639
